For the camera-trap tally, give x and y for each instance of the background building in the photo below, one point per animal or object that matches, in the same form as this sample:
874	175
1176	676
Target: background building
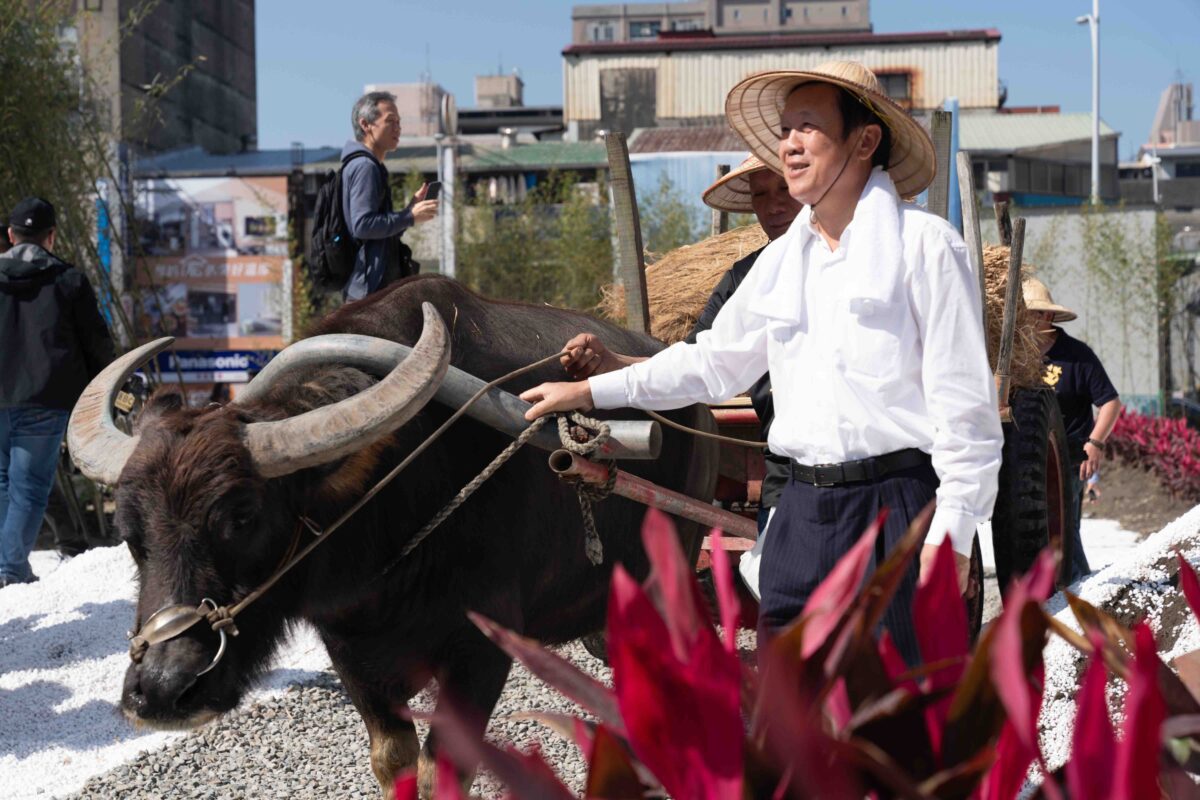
203	50
626	22
682	81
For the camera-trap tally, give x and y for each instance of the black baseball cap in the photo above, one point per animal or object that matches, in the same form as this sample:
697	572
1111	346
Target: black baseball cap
32	215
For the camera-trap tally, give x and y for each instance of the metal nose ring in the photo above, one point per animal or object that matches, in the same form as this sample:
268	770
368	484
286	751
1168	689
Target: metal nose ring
171	621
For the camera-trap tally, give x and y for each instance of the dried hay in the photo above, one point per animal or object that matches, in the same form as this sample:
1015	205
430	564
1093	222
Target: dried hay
680	282
1025	370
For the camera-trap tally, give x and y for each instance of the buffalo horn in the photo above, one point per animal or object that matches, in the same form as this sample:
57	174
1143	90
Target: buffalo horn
97	446
331	432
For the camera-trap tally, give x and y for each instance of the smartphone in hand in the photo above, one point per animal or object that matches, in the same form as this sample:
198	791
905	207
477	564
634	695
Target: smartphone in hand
435	189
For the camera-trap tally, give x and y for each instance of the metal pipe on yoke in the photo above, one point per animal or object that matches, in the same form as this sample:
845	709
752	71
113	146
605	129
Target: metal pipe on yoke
566	464
629	439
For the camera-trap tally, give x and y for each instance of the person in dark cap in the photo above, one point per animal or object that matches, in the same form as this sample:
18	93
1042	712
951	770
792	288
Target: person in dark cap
55	342
5	244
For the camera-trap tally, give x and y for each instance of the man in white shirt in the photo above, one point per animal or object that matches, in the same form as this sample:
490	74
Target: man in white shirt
868	319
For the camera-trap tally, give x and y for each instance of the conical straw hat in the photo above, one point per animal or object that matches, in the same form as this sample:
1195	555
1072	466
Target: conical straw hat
1037	298
731	192
754	105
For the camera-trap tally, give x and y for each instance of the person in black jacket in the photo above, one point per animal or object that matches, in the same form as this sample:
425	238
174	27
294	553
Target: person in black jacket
752	187
55	342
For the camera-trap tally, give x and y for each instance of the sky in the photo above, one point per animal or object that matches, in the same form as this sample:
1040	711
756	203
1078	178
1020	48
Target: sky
314	61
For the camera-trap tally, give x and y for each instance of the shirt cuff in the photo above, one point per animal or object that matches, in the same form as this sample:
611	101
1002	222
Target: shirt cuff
958	525
608	390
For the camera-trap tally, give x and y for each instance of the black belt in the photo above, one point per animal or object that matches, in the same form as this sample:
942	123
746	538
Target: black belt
863	470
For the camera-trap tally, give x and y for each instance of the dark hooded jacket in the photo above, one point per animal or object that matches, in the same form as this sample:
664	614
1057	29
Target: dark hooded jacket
52	337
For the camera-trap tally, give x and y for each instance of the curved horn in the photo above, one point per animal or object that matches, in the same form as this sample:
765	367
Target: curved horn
330	432
97	446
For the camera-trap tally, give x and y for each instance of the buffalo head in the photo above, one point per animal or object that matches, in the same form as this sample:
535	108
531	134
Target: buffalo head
203	508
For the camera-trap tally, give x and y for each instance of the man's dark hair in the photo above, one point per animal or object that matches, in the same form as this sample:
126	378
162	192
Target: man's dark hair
39	238
856	114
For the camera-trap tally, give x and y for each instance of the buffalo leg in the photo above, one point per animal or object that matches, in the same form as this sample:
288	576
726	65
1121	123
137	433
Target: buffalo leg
394	743
469	685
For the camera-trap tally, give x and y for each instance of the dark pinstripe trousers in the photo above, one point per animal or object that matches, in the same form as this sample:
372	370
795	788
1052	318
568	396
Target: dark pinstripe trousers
815	526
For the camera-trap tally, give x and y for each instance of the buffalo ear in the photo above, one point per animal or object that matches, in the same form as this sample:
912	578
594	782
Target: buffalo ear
165	400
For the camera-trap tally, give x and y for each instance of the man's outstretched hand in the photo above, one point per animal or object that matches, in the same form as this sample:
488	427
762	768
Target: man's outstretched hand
585	355
962	566
563	396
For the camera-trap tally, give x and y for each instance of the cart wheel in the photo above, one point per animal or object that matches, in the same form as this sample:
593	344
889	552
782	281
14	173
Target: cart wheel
1033	504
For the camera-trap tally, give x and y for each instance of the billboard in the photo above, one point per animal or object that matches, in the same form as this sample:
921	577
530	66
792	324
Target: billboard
209	271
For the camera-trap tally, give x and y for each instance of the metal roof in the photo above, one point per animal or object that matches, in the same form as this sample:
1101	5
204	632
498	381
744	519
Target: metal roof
777	41
489	156
985	131
194	162
698	139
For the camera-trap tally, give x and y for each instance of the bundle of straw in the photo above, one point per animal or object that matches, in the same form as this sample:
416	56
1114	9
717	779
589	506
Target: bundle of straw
679	284
1026	366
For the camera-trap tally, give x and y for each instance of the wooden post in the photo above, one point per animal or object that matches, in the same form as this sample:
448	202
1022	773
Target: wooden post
629	234
939	191
970	215
1004	226
720	219
1009	324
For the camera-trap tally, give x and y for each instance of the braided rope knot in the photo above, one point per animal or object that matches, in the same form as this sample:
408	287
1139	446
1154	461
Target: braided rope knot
584	437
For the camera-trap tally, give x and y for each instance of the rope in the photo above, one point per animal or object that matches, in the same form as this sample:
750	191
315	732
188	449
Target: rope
588	436
705	434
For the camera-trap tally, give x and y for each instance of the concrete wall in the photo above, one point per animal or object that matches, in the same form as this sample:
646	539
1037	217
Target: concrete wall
1102	267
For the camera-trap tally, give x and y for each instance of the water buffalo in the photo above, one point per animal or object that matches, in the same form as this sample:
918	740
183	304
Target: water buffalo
210	502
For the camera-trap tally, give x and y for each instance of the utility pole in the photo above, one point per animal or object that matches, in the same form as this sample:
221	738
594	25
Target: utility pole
1093	22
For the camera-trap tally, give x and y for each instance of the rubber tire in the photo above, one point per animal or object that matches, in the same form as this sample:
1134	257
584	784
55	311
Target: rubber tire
1033	503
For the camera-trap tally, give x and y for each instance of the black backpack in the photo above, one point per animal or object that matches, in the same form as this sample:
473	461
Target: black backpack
333	248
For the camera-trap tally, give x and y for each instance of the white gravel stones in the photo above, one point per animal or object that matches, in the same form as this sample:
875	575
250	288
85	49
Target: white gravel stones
1141	585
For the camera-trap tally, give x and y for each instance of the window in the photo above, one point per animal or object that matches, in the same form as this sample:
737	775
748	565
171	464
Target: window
644	30
601	31
898	86
1187	169
737	13
687	25
843	11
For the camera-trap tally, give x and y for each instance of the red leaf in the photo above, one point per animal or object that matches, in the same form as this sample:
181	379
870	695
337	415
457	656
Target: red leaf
683	715
894	663
405	787
727	597
1190	584
556	671
834	595
940	618
447	785
611	773
1137	753
1009	658
672	583
1089	772
1007	775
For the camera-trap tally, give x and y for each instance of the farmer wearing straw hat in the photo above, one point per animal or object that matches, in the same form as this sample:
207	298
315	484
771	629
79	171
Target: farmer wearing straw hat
1080	383
868	319
751	188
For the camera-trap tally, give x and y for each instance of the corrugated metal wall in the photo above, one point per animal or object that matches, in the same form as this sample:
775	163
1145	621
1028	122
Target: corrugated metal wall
694	84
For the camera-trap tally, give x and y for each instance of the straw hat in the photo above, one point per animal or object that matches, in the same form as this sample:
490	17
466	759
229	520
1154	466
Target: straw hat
731	192
1037	298
753	107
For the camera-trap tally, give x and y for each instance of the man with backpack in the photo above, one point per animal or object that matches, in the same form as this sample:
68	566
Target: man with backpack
372	229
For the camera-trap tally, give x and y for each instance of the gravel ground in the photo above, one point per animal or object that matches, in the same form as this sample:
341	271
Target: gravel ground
309	742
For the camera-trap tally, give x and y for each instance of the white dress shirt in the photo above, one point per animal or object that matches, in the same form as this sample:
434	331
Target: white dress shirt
872	348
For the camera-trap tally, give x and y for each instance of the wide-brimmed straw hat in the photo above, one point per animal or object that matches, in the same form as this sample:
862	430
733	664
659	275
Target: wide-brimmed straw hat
754	105
1037	298
731	192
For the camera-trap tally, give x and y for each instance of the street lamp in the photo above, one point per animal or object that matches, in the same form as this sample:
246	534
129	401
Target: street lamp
1154	161
1093	22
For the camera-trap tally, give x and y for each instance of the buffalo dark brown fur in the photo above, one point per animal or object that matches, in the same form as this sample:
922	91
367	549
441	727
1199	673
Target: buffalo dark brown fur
202	523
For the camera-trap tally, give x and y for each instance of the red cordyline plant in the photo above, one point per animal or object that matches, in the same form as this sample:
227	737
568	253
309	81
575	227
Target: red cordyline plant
1167	447
834	712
